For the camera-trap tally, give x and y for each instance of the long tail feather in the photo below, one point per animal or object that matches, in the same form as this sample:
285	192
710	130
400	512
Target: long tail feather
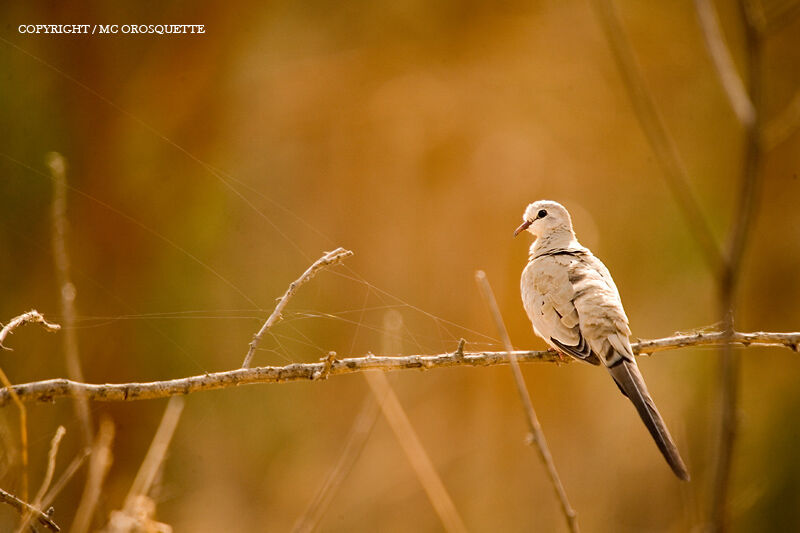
631	383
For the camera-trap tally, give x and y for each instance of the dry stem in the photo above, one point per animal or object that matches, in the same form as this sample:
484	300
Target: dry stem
329	259
723	63
123	521
412	446
99	464
58	172
537	434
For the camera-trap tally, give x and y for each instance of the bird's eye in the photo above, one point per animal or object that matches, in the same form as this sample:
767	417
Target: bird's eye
542	213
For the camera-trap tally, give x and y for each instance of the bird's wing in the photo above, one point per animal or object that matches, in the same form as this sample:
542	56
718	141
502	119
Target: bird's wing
603	322
548	297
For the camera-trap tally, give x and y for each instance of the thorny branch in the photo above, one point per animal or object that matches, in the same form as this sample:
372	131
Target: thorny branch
49	390
327	260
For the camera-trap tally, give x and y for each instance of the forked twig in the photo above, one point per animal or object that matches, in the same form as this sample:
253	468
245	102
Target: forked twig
329	259
537	435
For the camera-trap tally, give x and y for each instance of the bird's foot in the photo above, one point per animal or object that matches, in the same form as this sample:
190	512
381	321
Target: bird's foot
561	358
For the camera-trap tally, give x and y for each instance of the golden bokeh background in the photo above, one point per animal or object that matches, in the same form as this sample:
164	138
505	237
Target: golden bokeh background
208	171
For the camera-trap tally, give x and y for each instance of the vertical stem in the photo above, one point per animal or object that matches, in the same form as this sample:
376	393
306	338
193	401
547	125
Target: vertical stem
57	165
537	435
730	361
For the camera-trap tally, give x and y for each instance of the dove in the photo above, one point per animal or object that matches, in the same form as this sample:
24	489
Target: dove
575	307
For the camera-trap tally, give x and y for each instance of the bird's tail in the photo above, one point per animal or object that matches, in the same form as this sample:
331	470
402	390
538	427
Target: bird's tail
631	383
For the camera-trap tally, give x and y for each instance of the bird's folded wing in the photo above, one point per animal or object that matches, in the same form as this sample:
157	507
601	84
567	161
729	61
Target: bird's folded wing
548	296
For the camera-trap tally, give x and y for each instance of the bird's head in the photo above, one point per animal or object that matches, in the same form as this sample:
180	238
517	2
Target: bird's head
544	217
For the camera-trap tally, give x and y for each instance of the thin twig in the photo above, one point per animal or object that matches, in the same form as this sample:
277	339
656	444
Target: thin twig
656	132
99	464
58	171
537	435
327	260
31	317
51	389
23	507
23	430
723	63
48	477
423	466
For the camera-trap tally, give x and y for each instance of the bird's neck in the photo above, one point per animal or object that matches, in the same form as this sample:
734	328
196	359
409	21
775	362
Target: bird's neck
555	240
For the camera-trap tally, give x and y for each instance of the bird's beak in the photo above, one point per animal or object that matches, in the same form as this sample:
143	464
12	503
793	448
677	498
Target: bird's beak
522	227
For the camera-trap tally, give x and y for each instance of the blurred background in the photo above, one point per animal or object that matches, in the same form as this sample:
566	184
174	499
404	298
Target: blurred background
208	171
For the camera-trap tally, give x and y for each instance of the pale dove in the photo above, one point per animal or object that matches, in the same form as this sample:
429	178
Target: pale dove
575	307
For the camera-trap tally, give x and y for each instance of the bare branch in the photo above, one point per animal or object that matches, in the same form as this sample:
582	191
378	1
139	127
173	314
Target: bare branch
537	435
51	389
23	507
656	132
723	63
327	260
31	317
58	171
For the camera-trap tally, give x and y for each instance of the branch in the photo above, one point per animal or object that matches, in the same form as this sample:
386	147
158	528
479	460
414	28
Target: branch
537	435
329	259
23	507
51	389
31	317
